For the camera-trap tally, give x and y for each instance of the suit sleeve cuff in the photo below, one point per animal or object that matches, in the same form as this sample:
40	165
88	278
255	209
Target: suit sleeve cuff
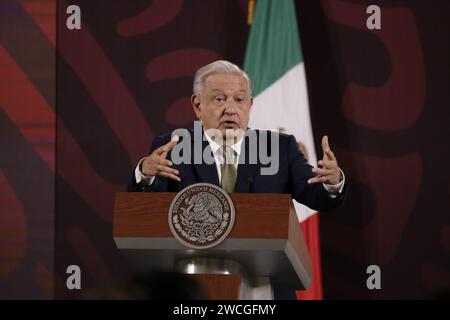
335	189
142	179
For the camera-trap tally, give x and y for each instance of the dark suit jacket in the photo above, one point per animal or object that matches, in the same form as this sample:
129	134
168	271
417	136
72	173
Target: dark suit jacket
291	177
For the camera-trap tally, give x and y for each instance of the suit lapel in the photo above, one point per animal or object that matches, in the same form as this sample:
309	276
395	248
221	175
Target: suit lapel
246	170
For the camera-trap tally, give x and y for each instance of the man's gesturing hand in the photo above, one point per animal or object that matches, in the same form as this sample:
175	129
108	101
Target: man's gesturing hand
156	164
328	170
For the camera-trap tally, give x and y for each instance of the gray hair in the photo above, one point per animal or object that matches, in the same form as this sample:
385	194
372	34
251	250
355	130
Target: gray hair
217	67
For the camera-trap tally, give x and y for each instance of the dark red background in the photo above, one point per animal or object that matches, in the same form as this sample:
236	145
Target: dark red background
382	97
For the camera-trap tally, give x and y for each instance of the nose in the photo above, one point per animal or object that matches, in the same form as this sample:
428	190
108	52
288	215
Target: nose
230	107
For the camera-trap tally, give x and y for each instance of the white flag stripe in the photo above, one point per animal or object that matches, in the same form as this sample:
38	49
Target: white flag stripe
285	104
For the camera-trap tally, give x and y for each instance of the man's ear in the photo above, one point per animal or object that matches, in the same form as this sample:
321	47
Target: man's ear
195	101
251	102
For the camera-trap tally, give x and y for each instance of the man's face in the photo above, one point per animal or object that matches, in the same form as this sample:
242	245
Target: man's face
225	103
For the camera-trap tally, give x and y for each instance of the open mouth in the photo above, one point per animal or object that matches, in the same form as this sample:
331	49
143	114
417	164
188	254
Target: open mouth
229	124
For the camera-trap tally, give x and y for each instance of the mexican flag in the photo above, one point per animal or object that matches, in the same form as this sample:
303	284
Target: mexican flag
274	62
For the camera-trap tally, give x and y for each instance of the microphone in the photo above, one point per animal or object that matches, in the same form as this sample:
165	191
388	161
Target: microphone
178	186
250	185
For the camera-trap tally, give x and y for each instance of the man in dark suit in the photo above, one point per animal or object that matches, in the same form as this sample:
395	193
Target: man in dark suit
222	101
222	150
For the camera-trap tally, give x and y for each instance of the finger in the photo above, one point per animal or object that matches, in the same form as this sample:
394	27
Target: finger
170	176
327	164
165	169
325	145
169	173
168	146
330	155
160	150
322	172
165	162
318	179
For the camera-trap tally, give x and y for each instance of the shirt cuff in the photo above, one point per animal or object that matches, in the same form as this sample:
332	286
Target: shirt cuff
334	189
140	177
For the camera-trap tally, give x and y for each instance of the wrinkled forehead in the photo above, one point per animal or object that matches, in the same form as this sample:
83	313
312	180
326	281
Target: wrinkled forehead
226	82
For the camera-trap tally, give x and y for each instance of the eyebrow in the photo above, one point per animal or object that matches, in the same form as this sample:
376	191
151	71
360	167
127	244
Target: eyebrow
219	90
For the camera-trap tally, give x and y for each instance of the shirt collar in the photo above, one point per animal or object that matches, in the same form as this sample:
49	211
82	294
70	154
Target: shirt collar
215	146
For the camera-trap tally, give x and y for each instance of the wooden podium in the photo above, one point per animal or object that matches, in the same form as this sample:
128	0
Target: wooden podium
266	240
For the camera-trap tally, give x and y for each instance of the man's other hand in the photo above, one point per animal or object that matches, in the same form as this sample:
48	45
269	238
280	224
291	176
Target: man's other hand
327	170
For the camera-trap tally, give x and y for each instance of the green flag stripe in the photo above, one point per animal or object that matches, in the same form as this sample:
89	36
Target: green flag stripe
273	47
